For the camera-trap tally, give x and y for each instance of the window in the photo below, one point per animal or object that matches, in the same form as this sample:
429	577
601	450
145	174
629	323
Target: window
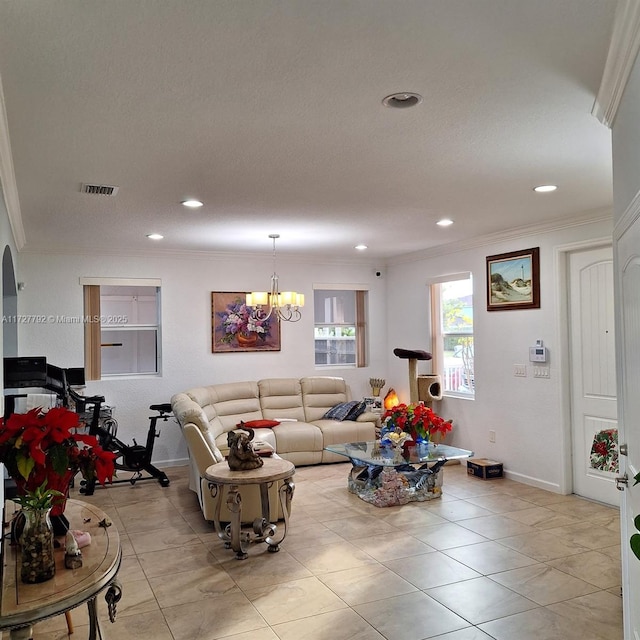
339	331
122	328
452	309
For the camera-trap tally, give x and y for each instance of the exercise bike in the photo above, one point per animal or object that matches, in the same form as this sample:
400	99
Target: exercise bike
135	458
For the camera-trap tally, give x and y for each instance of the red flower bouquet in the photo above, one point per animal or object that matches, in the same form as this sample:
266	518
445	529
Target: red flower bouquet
418	420
39	448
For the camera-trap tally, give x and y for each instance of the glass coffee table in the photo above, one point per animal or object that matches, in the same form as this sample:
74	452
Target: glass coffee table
387	476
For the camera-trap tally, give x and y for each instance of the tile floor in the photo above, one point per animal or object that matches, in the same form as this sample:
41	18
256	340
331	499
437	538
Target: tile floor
490	559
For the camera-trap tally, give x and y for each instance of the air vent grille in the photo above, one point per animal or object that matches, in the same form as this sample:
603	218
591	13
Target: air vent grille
99	189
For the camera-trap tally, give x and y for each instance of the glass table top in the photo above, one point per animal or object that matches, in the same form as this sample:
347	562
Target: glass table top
374	453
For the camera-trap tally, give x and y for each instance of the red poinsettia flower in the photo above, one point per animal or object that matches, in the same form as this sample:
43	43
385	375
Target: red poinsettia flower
37	447
418	420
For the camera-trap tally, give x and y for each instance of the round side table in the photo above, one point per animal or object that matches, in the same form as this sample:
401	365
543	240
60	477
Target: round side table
274	469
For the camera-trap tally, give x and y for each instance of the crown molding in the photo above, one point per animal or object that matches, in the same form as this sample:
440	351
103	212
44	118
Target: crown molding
630	215
623	50
8	178
190	254
589	217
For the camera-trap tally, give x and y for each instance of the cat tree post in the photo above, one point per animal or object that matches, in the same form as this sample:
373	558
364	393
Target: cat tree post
412	355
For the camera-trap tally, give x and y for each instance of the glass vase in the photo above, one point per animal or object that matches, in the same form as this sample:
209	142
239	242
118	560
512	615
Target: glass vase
37	562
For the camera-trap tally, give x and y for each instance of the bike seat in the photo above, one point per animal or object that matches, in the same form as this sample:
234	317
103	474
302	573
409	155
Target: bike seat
162	408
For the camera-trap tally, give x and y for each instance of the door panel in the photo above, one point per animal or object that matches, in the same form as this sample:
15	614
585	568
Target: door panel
593	374
628	311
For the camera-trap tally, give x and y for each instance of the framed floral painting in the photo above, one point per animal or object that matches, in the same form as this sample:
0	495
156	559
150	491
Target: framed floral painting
233	328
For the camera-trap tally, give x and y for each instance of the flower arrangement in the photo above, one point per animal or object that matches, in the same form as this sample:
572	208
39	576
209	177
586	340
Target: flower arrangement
236	319
417	420
44	451
604	451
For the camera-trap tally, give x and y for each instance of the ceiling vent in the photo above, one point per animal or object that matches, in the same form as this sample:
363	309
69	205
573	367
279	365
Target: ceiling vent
99	189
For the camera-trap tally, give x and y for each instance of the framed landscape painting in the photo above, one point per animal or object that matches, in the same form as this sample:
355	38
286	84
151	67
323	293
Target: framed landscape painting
234	329
513	280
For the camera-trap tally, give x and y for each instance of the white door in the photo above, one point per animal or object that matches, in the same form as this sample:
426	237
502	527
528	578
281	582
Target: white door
593	374
628	327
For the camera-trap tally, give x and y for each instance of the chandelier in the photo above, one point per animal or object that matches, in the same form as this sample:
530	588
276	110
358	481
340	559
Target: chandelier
285	306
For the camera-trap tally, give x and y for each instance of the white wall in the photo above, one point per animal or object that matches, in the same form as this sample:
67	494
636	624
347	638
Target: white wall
527	414
52	288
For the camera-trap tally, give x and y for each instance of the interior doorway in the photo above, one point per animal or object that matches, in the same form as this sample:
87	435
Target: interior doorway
9	305
593	373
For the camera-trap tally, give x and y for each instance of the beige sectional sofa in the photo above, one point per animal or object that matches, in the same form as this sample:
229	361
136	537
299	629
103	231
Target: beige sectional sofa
206	414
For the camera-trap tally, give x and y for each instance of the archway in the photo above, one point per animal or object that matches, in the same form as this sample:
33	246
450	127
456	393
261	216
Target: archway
9	305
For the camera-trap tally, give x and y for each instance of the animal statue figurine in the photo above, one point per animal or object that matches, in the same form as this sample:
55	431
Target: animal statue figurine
241	456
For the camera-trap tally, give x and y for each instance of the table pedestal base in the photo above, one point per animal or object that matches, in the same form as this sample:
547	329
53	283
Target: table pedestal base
388	486
238	539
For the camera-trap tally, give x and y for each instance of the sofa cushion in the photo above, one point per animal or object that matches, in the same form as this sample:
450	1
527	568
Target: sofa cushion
234	401
340	432
320	393
345	411
281	398
297	437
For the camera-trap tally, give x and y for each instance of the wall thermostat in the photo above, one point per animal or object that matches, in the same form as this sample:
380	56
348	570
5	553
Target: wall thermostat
538	353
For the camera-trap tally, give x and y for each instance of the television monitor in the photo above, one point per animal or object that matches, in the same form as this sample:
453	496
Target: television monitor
27	371
75	376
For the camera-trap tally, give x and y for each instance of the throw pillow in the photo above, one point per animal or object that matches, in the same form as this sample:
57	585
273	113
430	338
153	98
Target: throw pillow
358	410
345	411
258	424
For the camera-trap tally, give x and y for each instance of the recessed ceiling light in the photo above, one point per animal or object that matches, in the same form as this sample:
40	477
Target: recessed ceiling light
154	236
192	204
361	247
445	222
402	100
545	188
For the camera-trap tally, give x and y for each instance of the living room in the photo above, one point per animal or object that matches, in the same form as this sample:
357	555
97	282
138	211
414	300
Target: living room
528	416
201	253
524	422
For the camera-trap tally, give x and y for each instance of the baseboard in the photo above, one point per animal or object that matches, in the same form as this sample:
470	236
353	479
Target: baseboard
178	462
533	482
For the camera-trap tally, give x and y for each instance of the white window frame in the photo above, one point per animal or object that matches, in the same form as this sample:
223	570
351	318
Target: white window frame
95	323
438	336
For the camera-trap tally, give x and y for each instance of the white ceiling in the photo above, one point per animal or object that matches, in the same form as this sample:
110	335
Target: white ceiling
270	112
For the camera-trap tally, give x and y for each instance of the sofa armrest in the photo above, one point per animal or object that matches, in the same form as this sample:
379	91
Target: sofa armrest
199	449
369	416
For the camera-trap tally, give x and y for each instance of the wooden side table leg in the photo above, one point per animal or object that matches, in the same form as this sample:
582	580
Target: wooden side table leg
67	615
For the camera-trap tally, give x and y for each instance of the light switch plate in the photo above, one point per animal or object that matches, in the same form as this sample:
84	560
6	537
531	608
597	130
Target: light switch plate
540	372
520	370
